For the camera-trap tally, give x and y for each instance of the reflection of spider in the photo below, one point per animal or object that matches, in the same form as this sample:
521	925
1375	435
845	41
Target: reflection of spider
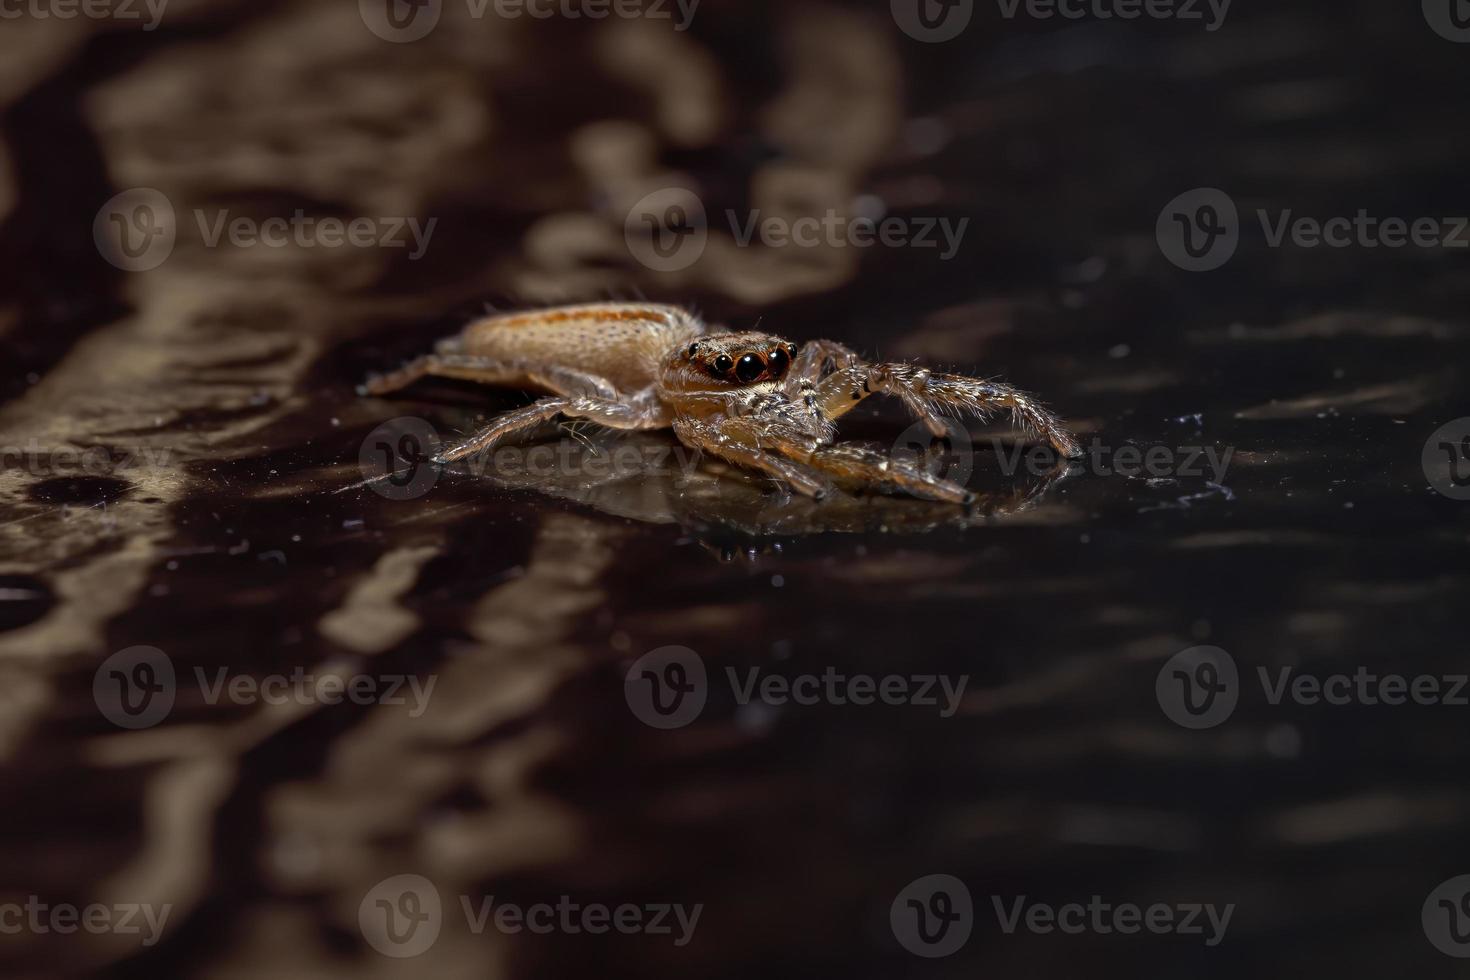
749	398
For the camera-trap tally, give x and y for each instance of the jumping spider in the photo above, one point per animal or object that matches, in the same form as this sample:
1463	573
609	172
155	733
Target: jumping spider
750	398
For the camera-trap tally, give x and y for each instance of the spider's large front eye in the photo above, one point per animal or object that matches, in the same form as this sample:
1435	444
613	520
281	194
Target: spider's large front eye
778	362
723	364
750	368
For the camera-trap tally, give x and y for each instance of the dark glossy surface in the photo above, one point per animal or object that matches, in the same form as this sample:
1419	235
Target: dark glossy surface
250	543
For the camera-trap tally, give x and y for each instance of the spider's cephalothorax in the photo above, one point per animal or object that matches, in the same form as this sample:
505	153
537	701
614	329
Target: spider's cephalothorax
753	399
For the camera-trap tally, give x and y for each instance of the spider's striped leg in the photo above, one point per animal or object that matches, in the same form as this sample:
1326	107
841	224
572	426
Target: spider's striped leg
927	394
753	446
632	414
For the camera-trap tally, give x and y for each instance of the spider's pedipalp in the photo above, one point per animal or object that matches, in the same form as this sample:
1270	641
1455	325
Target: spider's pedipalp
816	359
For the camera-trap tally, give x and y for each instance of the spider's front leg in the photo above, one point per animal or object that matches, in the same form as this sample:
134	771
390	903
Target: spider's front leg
858	468
927	394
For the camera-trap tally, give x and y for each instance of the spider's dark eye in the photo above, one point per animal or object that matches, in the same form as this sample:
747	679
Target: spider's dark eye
750	368
693	349
778	362
723	364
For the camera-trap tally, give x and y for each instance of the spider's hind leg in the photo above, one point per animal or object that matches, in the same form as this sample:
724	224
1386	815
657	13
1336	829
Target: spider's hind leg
488	371
630	414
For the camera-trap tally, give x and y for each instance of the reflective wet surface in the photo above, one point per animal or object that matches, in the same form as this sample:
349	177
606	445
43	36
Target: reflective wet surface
192	487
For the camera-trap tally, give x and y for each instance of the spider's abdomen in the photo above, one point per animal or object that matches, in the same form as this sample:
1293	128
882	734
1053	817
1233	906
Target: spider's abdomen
622	342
